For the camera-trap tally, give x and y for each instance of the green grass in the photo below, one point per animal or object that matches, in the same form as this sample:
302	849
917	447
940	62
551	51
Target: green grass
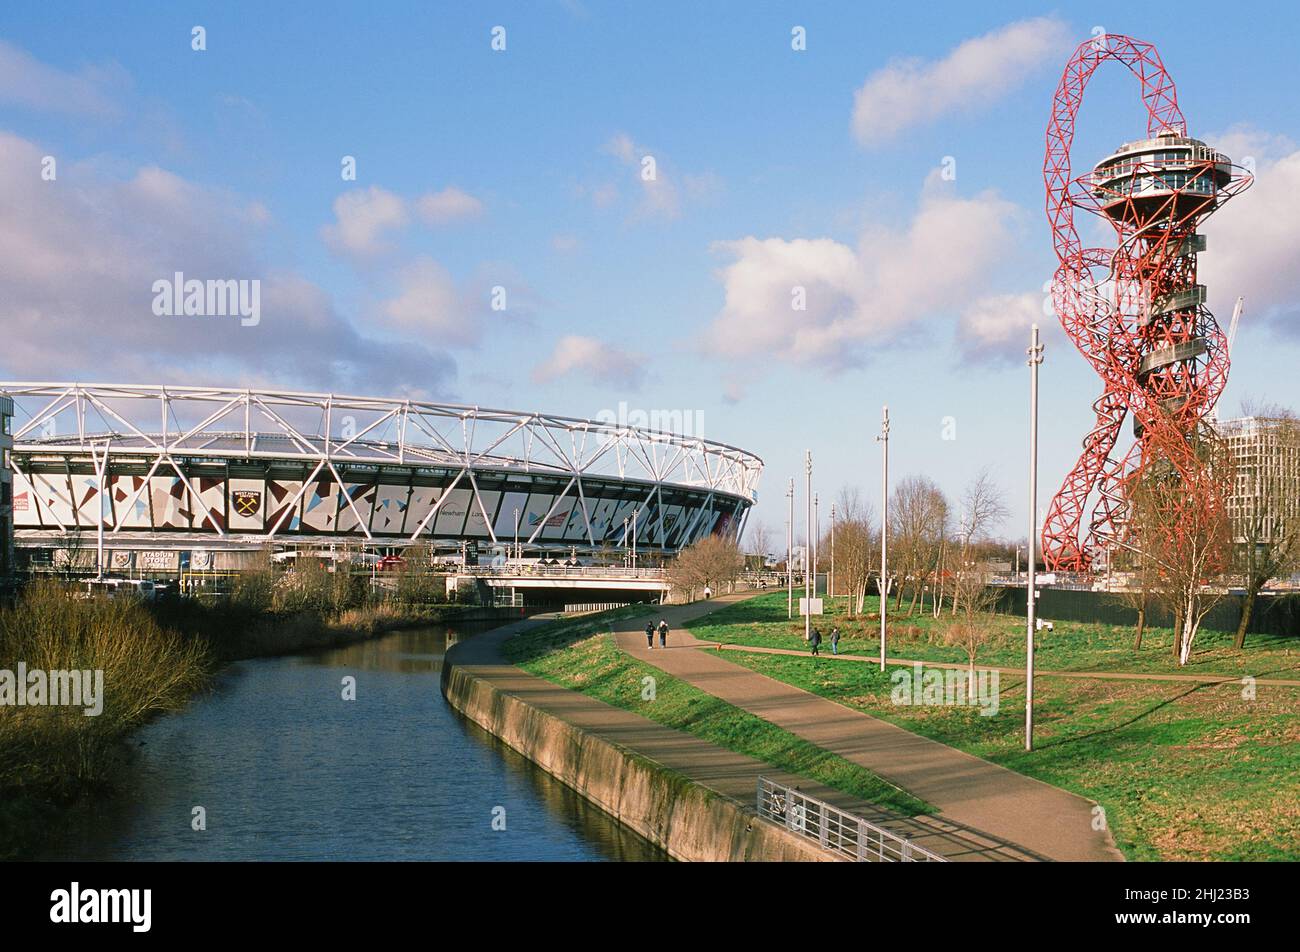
1184	771
1072	646
580	654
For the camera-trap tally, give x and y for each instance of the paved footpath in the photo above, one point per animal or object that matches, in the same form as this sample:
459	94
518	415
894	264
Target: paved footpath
969	792
722	770
1210	679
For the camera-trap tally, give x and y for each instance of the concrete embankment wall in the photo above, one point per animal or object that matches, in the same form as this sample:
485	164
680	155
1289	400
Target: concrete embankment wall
689	821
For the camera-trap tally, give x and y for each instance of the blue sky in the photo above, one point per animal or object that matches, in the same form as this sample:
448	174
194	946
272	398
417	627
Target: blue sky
522	169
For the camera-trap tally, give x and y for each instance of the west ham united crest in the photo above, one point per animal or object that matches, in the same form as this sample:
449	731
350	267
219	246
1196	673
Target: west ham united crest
247	502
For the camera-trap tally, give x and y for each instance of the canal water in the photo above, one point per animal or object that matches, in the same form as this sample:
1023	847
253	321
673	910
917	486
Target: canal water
286	769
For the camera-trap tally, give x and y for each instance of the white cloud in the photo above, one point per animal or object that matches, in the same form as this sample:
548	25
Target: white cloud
622	147
1252	243
366	217
362	219
31	84
734	388
594	358
995	328
912	92
661	191
859	296
80	263
449	205
564	243
429	306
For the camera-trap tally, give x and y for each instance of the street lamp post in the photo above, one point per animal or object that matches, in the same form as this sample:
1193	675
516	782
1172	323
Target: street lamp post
1035	352
807	549
516	533
636	516
883	439
830	588
817	538
101	467
789	551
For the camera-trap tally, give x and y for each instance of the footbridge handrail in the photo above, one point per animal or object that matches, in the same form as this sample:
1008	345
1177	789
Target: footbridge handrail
837	830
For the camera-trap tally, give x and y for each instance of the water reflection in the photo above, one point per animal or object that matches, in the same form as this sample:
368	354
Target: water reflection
285	768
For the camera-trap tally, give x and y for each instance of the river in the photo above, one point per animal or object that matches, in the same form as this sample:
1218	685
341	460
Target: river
286	769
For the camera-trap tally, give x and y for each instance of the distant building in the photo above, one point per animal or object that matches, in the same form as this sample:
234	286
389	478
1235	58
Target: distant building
1266	454
6	488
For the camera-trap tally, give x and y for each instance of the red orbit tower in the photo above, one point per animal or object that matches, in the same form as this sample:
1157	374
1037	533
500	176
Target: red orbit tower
1135	311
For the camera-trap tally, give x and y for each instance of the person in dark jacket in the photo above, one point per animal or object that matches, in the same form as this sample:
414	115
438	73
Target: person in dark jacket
663	633
650	635
835	640
815	639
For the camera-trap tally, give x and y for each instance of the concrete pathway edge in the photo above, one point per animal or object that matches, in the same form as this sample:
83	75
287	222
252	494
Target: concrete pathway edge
688	819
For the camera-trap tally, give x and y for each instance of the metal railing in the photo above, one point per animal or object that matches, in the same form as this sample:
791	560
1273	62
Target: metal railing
518	569
586	608
835	830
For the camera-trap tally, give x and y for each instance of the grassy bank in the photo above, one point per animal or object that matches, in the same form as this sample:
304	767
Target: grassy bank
233	632
1184	772
1072	646
54	754
580	654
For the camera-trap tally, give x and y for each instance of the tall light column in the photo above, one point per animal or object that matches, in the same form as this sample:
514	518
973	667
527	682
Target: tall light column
1035	358
789	550
807	549
883	438
817	537
830	588
101	467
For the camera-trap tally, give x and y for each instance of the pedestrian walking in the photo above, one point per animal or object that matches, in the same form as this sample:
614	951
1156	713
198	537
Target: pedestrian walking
835	640
815	639
663	633
650	635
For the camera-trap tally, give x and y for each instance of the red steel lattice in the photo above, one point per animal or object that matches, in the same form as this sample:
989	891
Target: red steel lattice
1135	310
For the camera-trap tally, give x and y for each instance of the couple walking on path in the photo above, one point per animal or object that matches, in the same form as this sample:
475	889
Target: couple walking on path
815	639
650	634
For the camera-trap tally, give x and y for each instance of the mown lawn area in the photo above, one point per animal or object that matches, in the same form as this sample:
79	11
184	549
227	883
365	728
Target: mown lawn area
1072	646
580	654
1183	771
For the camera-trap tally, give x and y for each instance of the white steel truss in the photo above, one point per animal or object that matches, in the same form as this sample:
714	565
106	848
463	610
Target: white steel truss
164	425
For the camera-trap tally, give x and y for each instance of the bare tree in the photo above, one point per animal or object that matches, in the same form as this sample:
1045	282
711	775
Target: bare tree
1137	591
73	554
709	563
983	508
857	555
970	635
1186	543
1266	524
851	506
974	627
759	539
918	525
